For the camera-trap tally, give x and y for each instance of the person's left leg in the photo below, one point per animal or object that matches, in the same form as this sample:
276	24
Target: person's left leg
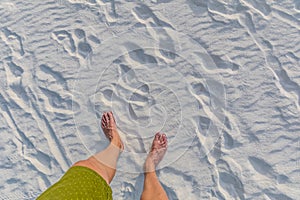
105	162
152	187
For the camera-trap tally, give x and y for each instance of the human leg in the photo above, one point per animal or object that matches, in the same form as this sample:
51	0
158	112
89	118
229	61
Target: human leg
152	187
82	180
104	162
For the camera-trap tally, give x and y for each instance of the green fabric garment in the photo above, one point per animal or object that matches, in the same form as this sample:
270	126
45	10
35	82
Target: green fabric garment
78	183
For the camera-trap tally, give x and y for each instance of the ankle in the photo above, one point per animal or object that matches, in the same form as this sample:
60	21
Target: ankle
117	143
149	166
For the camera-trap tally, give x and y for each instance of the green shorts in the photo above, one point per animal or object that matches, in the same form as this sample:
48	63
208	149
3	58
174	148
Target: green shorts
79	183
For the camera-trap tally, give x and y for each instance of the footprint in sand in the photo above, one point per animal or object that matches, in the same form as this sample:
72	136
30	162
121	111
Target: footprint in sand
229	141
14	41
51	84
166	43
128	191
79	33
66	40
83	47
56	75
15	69
261	166
229	183
139	55
76	43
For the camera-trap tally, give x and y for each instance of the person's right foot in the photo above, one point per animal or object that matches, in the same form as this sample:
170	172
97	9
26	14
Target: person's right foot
109	127
157	152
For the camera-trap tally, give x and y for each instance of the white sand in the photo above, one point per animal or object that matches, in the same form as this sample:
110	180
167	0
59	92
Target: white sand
220	77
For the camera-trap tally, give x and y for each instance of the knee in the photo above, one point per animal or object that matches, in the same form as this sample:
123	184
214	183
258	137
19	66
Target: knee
81	163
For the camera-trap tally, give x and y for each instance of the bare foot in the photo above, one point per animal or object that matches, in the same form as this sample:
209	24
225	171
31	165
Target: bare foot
157	152
109	128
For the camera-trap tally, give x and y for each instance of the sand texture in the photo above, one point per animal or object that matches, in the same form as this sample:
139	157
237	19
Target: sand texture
220	77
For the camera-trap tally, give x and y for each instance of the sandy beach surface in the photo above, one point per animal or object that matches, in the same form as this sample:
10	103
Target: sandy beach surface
220	77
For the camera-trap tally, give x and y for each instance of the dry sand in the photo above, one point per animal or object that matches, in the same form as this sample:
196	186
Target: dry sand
220	77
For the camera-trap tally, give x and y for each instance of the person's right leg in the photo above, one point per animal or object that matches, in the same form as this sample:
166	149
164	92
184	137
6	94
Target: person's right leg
79	182
152	187
105	162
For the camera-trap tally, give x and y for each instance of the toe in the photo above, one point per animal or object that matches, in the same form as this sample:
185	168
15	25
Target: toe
157	136
103	119
105	116
103	124
160	137
164	140
111	118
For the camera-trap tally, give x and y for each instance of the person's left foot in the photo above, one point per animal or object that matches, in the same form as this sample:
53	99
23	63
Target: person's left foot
157	152
109	128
